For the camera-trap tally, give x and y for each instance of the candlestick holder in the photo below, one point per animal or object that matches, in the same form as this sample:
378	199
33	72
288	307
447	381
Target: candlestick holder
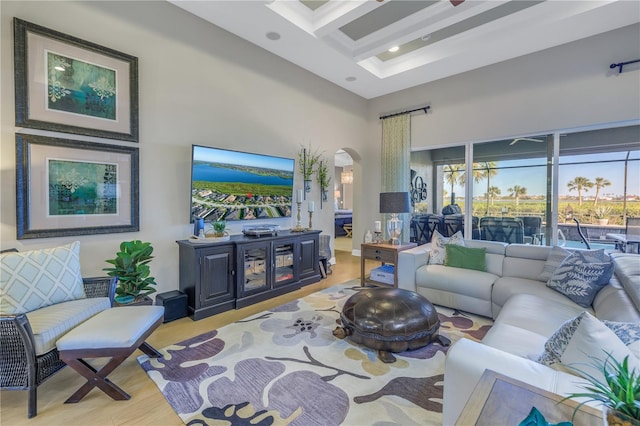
310	221
298	227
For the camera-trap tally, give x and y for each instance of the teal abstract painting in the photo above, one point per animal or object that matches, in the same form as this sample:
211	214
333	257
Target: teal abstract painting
79	87
82	188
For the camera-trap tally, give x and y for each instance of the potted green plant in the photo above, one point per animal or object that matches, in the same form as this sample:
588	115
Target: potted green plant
323	178
602	214
619	393
130	267
307	161
218	228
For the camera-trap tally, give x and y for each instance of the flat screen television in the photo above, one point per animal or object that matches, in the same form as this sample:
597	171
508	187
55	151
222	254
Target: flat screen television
234	185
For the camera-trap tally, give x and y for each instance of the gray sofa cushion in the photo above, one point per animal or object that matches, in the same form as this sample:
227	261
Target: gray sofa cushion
628	272
506	287
619	300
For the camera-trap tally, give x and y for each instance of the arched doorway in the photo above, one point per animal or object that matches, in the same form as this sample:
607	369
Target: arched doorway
343	196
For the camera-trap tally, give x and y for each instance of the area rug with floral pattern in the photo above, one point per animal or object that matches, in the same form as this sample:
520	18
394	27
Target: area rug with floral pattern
284	367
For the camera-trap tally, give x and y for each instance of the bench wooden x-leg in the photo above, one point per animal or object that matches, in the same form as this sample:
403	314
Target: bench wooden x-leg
98	378
115	333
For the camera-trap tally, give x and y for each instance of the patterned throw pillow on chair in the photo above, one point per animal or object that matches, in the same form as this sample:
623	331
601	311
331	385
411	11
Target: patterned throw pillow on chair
34	279
580	279
438	251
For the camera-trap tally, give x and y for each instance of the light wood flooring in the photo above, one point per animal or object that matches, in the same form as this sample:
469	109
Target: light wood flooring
147	405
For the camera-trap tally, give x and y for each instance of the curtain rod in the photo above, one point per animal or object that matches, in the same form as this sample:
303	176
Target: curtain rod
424	108
619	65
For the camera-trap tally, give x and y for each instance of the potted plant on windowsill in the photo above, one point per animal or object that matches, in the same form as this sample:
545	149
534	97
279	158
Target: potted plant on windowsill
619	393
130	267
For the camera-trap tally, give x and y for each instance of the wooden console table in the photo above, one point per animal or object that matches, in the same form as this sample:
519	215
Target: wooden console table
502	400
386	254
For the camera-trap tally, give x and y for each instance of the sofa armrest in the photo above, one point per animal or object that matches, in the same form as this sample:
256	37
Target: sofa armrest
408	262
467	360
100	287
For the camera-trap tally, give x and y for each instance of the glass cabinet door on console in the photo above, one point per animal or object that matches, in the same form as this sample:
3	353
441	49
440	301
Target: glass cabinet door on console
255	276
284	263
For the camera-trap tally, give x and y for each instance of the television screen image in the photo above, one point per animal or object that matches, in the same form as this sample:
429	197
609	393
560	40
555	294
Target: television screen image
234	185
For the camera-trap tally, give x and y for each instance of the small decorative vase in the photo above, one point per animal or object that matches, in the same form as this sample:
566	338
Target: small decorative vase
307	185
325	195
613	417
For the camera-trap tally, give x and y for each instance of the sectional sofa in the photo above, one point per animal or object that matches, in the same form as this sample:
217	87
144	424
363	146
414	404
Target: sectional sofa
529	317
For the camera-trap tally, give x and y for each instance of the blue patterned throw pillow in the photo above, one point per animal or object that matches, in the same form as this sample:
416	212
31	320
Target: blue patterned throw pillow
579	279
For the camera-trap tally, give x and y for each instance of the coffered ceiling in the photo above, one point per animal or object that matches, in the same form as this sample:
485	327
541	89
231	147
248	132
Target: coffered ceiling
347	41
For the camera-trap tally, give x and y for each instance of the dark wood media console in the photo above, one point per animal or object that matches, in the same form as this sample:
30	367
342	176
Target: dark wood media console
225	275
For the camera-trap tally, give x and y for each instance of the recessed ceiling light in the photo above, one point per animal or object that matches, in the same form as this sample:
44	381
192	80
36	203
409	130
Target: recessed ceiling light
394	49
351	78
272	35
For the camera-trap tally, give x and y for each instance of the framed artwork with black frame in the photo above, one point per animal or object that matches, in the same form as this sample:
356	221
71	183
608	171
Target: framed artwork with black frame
66	84
68	187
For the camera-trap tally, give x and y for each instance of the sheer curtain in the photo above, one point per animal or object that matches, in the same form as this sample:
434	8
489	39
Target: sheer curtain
396	157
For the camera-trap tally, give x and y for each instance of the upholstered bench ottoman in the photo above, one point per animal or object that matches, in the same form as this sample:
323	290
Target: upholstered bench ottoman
115	333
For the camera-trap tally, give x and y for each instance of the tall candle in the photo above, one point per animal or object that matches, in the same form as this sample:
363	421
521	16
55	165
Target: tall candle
378	226
300	195
311	206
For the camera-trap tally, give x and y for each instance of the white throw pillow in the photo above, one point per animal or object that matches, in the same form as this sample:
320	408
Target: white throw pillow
33	279
574	343
438	251
593	342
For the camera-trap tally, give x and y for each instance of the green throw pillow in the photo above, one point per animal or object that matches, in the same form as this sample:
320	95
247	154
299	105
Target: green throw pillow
465	257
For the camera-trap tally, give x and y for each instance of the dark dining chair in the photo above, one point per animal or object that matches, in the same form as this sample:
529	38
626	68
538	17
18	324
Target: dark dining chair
422	227
453	223
532	228
504	229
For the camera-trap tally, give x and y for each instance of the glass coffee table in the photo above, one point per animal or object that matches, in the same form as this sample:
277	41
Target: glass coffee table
502	400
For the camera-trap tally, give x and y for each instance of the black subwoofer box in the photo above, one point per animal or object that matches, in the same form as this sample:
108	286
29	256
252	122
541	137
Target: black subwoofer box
175	304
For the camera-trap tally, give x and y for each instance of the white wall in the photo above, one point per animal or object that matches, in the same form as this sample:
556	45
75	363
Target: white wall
198	84
560	88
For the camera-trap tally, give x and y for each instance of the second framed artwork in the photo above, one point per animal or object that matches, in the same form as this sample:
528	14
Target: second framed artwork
68	187
66	84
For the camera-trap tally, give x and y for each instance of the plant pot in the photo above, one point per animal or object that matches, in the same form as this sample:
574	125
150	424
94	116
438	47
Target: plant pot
307	185
602	221
140	301
613	417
